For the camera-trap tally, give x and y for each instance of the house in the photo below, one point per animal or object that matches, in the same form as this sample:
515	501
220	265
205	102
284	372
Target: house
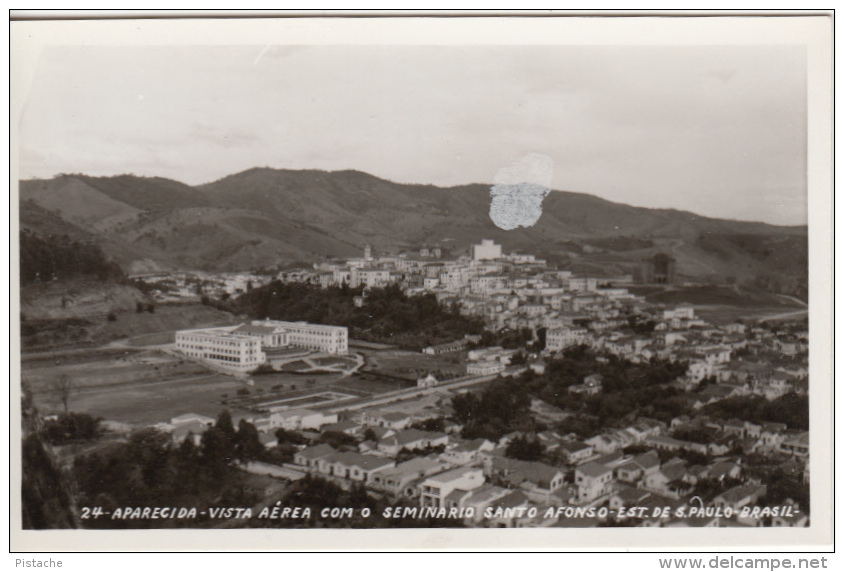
354	466
723	470
658	509
466	452
379	432
592	481
301	419
550	441
436	488
797	445
672	445
606	443
638	467
310	457
627	496
536	480
347	427
427	381
722	445
591	385
411	439
480	499
508	510
455	346
192	418
391	419
485	368
268	440
741	496
397	480
669	480
194	429
576	452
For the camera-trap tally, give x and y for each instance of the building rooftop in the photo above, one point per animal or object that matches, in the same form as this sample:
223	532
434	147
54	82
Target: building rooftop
365	462
453	475
317	452
253	329
593	469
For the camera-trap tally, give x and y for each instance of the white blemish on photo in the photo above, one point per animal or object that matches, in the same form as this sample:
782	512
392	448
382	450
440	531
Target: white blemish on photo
518	191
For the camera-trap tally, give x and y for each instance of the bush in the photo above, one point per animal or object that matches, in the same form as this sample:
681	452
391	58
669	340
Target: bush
72	427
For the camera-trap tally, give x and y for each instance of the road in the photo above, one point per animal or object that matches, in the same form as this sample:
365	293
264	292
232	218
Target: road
784	316
412	393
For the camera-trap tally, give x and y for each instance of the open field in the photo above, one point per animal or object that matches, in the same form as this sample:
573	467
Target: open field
157	339
146	401
717	295
370	385
413	365
346	363
724	314
139	386
138	329
111	369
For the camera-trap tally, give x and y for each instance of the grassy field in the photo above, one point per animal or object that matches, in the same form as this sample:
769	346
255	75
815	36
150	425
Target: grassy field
139	394
157	339
412	365
330	361
714	295
370	385
294	366
725	314
141	328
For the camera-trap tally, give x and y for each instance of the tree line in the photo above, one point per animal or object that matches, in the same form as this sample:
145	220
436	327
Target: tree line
43	259
387	315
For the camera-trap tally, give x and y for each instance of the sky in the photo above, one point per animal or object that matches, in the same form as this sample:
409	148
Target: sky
719	131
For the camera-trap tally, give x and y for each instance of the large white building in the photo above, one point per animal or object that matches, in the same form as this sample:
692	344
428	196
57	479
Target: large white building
329	339
222	347
240	348
561	338
271	336
486	250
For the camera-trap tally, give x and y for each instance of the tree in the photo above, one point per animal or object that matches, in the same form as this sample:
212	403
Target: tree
369	435
519	358
219	443
71	427
248	445
63	387
524	449
337	439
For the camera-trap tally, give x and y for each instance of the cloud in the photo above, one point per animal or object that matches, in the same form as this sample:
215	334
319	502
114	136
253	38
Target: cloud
689	128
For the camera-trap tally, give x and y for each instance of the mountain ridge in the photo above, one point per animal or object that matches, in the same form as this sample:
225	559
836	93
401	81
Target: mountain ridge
263	217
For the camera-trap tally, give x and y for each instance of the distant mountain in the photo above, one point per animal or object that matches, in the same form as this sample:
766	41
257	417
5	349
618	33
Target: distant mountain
263	217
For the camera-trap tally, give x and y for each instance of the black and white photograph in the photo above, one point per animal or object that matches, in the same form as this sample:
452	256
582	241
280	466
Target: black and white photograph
404	275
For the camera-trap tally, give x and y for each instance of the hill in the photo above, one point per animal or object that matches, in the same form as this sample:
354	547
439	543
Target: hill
263	217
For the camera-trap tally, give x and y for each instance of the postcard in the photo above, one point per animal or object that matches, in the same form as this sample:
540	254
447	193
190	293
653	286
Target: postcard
324	283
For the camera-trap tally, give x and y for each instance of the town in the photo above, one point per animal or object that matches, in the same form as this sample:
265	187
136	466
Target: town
604	409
